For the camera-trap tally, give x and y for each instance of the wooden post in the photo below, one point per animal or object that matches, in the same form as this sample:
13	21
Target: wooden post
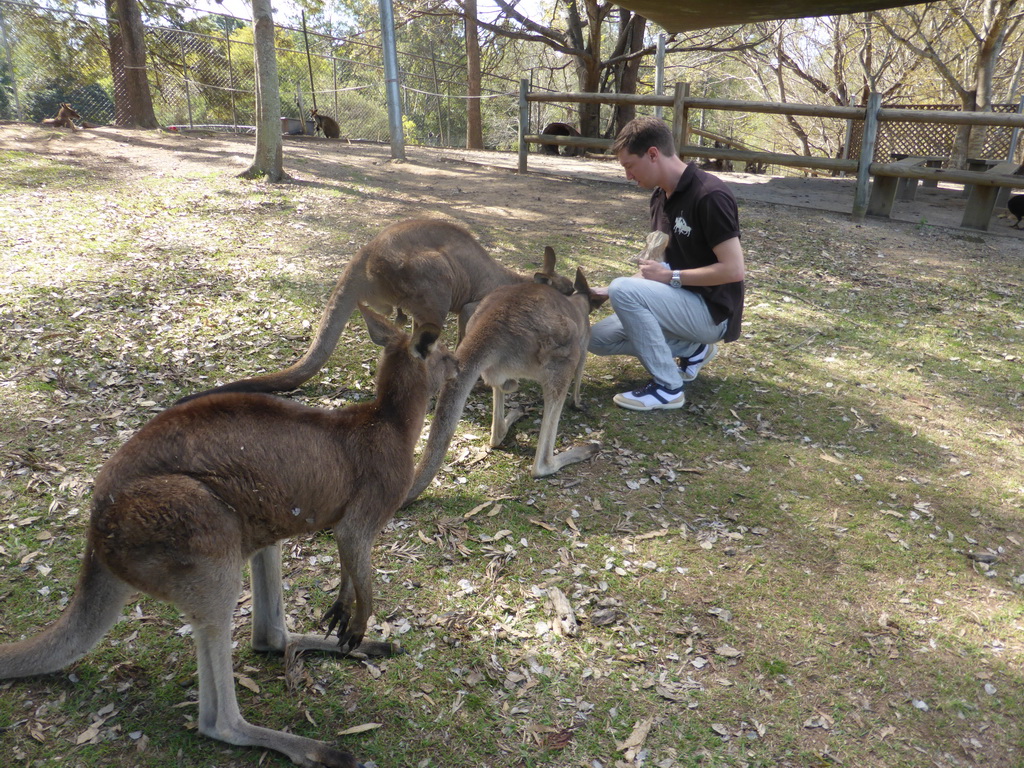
524	123
681	117
867	154
1003	196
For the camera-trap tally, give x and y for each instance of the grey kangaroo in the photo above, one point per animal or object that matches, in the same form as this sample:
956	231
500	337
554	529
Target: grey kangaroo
424	268
208	484
526	331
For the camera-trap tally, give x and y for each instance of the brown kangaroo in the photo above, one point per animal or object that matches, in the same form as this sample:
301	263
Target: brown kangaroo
425	268
328	126
65	118
206	485
526	331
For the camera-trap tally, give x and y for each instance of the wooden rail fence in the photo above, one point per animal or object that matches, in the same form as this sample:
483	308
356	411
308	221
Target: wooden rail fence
981	185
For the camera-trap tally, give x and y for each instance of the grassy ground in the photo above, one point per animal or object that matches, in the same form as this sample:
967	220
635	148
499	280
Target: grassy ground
817	562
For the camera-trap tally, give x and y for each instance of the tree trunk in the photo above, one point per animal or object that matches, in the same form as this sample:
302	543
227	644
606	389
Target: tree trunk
115	51
136	71
958	157
586	37
994	35
268	159
633	27
474	123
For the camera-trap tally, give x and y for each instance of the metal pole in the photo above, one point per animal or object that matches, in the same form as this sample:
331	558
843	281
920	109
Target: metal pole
10	67
659	73
524	123
231	76
387	23
867	155
184	72
309	63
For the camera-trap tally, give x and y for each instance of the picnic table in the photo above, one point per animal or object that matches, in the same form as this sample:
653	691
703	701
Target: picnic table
984	183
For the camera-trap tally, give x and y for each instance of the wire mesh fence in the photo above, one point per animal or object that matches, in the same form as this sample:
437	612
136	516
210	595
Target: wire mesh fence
201	73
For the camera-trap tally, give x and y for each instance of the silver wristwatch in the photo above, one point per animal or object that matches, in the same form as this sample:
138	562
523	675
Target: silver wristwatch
675	279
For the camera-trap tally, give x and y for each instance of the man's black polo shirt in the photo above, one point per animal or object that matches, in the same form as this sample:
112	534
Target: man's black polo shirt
700	214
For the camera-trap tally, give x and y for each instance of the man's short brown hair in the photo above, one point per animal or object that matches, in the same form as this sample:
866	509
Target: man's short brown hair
642	133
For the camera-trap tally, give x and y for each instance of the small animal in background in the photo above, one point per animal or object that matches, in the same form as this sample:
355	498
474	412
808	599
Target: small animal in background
65	118
328	126
1016	207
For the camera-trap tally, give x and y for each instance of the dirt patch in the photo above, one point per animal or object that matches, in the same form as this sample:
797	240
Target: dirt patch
485	185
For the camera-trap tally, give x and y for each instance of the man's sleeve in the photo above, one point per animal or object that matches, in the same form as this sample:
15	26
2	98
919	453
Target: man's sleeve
659	219
721	219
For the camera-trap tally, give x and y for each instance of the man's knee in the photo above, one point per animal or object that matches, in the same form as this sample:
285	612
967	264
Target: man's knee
624	290
607	337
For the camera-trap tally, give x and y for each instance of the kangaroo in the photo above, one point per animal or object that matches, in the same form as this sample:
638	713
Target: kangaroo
65	118
328	126
206	485
425	268
519	331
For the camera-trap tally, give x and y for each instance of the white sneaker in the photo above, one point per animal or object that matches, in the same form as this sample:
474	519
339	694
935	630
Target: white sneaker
651	397
690	366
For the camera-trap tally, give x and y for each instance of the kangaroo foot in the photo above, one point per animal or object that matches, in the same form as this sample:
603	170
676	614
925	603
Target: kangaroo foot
375	650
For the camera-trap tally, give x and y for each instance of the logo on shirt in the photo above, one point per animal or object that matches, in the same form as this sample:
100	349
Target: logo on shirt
681	227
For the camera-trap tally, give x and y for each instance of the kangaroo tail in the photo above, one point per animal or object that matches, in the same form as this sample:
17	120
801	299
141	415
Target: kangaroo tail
451	401
95	608
336	314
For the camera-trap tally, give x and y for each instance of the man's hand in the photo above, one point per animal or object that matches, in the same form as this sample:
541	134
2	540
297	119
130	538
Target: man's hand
655	270
599	291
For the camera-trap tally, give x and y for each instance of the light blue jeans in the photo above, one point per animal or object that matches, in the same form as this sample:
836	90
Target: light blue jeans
655	323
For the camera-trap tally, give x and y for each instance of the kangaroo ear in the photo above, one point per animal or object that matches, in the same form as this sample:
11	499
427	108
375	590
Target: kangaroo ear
424	338
581	284
542	277
549	260
381	331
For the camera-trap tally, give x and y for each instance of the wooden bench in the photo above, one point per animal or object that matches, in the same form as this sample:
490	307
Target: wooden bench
907	188
981	199
885	187
983	186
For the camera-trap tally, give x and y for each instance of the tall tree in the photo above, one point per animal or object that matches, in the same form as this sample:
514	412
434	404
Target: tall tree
577	29
830	60
474	123
133	104
268	160
962	41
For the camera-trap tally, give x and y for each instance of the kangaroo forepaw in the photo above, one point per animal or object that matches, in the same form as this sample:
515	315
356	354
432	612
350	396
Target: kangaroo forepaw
337	616
350	642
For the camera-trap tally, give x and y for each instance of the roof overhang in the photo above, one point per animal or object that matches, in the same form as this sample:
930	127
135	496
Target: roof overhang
684	15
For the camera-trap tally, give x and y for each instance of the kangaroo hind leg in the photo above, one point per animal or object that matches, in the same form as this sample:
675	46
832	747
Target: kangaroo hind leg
210	608
546	461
